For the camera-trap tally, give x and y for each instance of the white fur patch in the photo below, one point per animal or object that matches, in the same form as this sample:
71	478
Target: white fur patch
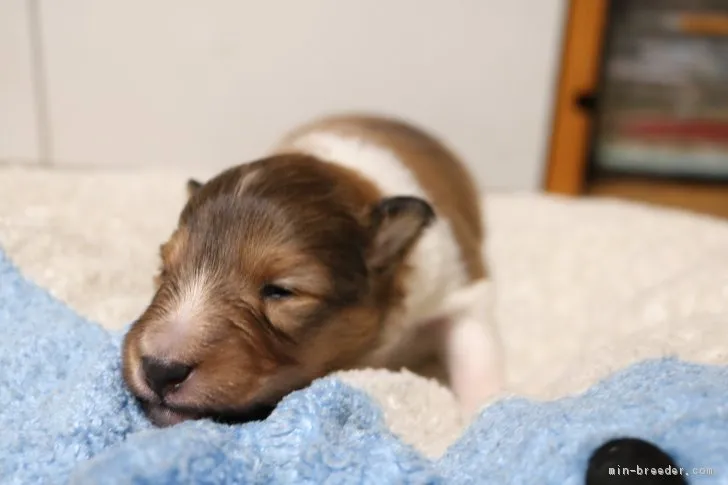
247	181
190	301
437	268
181	321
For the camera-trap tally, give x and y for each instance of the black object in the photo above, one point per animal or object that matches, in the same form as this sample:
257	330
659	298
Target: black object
587	102
632	461
161	375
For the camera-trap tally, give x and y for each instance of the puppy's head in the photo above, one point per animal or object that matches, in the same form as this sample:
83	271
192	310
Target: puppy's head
279	271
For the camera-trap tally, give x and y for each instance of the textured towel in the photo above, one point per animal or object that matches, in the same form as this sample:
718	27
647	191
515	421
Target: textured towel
66	416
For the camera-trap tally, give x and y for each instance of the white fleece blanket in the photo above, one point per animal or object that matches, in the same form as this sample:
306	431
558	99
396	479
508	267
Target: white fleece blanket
584	287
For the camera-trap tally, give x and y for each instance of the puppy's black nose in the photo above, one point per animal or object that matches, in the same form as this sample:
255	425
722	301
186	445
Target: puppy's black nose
161	375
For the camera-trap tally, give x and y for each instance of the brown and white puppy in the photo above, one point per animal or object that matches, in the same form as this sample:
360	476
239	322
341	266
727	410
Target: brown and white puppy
356	243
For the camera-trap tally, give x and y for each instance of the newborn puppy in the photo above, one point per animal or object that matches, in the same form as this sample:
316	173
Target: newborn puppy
356	243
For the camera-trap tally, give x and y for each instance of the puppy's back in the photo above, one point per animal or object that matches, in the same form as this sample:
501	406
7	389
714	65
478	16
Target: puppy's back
430	166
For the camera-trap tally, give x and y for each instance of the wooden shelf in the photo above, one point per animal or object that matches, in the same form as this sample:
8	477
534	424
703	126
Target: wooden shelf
579	76
567	172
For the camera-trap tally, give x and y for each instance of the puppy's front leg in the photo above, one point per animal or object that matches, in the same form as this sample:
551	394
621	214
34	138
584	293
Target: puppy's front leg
472	349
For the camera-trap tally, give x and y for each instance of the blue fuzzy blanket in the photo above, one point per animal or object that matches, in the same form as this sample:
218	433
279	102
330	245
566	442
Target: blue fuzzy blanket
66	417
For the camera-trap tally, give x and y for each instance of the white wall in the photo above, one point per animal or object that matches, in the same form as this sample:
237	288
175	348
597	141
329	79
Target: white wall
192	83
18	122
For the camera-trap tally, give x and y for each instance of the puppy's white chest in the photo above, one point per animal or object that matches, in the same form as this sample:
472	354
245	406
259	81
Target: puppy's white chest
436	261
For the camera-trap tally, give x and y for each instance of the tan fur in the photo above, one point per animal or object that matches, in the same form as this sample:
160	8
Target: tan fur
437	169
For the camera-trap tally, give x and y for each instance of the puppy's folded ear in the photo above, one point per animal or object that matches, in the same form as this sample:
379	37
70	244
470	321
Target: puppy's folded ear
192	187
397	224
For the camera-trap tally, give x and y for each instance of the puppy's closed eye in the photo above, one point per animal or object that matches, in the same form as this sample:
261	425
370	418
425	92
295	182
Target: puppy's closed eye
275	292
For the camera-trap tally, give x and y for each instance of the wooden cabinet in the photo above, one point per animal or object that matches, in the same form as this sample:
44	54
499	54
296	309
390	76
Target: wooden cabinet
642	109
